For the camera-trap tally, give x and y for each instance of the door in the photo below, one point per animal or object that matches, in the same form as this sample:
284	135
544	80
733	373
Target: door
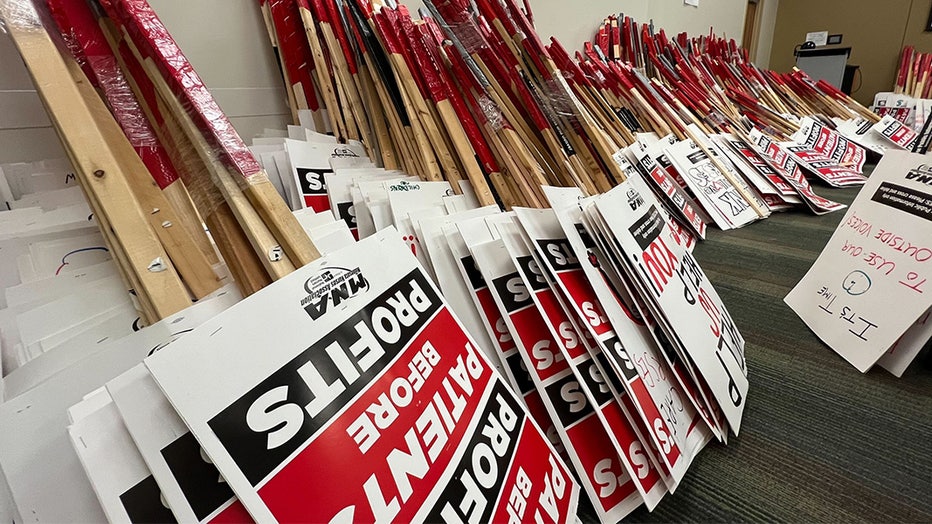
751	26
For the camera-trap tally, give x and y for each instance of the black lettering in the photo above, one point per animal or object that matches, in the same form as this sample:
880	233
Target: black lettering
249	448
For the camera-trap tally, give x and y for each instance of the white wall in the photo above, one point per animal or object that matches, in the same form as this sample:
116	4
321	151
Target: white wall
226	42
231	53
25	132
726	17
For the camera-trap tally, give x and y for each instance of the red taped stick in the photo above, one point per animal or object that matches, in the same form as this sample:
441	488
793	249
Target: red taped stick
155	42
295	52
80	29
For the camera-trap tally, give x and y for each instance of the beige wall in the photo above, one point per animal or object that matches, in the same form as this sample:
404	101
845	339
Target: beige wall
915	27
233	57
571	22
574	22
874	30
572	25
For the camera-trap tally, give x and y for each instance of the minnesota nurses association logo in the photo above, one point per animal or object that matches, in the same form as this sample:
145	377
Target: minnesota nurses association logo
921	174
635	200
330	288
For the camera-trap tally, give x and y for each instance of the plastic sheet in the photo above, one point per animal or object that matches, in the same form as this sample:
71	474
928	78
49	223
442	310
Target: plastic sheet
465	71
146	88
455	18
19	14
493	115
155	43
74	22
560	99
88	45
188	163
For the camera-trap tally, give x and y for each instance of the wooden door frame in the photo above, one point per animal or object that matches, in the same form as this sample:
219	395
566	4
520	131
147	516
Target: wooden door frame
752	20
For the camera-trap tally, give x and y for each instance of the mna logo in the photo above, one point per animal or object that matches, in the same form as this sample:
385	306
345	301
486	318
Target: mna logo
330	288
922	174
635	200
343	152
404	185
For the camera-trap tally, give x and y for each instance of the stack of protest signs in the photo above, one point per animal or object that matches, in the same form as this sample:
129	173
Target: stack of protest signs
364	398
457	363
68	326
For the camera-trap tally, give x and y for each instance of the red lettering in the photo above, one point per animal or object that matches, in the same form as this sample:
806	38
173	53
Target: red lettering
712	310
660	262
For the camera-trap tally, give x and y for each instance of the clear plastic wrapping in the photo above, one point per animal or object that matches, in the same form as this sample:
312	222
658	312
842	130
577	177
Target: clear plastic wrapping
19	14
715	119
182	154
161	105
595	75
153	41
464	67
493	115
86	43
123	103
89	46
456	20
561	100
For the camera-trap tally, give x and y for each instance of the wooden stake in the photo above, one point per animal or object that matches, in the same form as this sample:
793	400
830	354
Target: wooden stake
97	164
248	177
324	83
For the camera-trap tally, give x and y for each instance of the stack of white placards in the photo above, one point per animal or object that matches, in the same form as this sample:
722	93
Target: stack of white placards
457	363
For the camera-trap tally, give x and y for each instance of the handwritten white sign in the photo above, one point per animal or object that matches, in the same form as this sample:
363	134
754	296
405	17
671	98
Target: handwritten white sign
869	284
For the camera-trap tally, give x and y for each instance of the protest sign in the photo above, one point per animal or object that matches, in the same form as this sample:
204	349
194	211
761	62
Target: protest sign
778	194
678	201
904	351
680	293
861	132
674	421
310	161
593	451
717	195
457	290
822	166
868	285
127	492
188	481
368	401
896	132
562	269
56	489
786	167
830	143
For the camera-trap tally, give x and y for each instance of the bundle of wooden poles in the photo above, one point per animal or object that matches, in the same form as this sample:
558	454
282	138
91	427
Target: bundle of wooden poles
469	91
440	97
156	157
912	78
715	81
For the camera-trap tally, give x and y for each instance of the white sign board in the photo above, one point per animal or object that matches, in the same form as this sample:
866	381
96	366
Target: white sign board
361	398
869	284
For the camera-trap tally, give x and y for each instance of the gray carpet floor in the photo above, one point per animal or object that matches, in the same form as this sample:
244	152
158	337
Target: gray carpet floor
820	442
